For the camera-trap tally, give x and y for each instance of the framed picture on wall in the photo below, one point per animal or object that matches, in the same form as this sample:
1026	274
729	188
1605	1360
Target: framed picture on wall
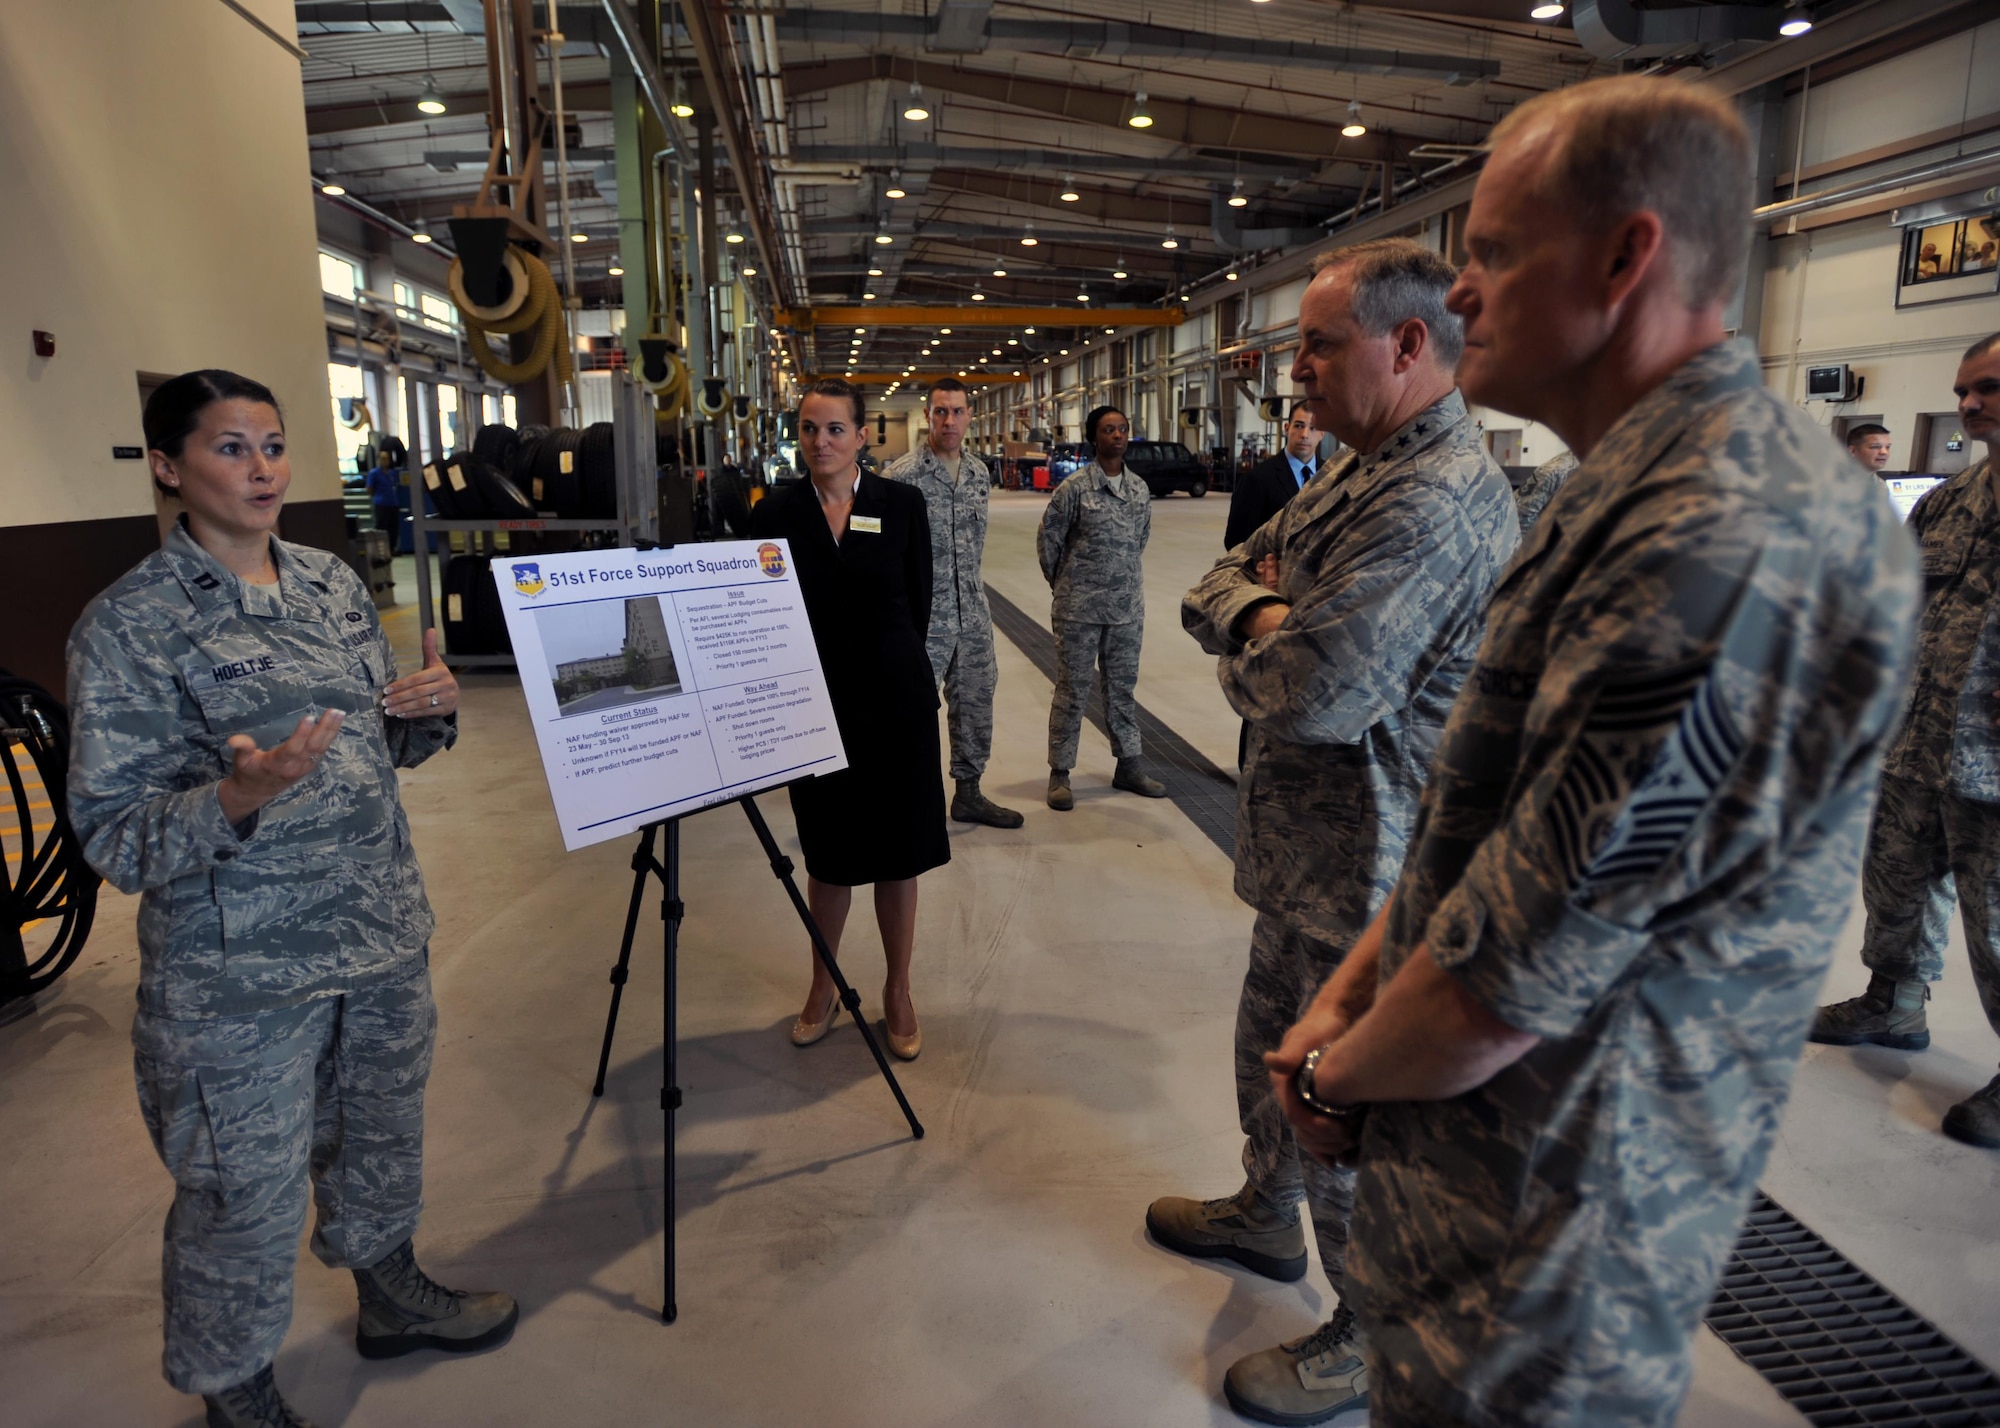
1946	257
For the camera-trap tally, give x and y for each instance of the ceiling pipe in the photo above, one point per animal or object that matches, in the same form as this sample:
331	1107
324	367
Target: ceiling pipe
659	96
378	217
1079	39
1867	188
1080	161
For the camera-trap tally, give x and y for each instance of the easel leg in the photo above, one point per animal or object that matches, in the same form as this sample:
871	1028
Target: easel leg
849	998
642	864
671	910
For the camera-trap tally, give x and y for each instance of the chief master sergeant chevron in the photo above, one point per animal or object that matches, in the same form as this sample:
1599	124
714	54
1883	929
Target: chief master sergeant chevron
955	484
1567	1041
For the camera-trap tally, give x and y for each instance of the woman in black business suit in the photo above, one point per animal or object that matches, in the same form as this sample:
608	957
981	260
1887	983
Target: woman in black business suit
862	548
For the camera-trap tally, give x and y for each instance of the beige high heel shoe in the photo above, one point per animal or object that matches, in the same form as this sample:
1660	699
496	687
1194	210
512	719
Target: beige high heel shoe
805	1033
906	1048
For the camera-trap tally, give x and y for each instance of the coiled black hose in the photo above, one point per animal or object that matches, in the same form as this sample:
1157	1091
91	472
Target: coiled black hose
43	875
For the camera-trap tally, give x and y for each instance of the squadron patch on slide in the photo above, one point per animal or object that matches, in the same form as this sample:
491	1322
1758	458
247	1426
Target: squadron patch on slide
528	578
771	560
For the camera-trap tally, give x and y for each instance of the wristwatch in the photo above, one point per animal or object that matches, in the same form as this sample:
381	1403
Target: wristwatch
1302	1082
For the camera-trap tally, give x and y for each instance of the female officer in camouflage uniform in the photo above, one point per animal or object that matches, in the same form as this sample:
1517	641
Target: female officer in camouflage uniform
1090	542
238	728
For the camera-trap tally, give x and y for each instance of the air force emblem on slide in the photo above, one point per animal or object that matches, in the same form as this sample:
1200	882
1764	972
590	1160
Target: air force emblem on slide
770	560
528	578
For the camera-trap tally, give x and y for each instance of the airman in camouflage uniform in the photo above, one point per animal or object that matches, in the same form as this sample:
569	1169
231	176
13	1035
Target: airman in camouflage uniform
285	1018
960	638
1533	495
1561	1053
1385	563
1637	843
1937	825
1091	542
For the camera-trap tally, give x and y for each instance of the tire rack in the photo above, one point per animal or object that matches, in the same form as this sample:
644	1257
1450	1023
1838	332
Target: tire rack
638	515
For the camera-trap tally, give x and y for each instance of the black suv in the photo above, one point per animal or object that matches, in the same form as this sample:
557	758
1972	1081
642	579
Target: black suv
1167	466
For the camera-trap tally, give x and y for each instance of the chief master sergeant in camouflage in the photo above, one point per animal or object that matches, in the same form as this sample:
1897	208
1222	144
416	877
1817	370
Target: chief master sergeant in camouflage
955	485
1345	626
1570	1035
237	731
1091	542
1937	824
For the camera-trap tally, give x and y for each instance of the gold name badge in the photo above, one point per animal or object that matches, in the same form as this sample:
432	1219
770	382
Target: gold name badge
871	524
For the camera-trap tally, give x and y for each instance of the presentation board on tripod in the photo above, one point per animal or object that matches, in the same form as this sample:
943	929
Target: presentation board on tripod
661	682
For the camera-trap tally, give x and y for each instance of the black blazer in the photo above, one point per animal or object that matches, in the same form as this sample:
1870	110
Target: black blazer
1260	494
868	598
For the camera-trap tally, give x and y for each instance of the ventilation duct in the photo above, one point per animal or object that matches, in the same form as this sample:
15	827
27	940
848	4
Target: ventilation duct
1245	240
1618	29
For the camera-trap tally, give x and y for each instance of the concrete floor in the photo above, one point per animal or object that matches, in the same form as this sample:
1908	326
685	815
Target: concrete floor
1077	982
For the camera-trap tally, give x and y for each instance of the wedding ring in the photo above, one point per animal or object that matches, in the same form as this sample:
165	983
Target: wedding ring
434	701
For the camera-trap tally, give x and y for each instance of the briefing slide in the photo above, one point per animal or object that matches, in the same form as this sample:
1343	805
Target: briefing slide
664	681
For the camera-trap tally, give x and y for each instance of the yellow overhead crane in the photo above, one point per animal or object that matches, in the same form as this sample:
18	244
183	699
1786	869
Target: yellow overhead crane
972	314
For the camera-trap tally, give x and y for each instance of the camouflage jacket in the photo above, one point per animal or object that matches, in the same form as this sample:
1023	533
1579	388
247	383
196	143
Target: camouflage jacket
1533	495
1091	541
317	892
1639	841
957	512
1951	735
1387	561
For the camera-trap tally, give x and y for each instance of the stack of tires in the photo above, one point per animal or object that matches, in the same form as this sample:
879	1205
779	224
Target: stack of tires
569	474
508	475
474	623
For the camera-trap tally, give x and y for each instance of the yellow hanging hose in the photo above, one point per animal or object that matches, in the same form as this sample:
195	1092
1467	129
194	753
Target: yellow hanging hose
542	311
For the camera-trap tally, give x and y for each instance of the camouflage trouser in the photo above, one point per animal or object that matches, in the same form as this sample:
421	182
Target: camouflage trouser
1110	653
243	1110
1923	847
1287	969
964	663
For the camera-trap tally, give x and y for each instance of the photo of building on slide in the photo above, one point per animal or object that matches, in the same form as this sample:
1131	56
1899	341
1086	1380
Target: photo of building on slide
607	653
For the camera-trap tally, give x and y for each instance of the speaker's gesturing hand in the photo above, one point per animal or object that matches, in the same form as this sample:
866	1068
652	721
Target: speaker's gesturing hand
431	690
260	775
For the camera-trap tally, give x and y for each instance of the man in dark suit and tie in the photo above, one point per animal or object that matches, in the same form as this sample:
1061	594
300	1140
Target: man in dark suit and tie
1265	488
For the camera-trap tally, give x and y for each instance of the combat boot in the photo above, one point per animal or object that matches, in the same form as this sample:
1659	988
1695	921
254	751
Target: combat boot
403	1309
1060	798
1976	1119
1890	1013
969	805
1133	778
1305	1381
1241	1227
253	1403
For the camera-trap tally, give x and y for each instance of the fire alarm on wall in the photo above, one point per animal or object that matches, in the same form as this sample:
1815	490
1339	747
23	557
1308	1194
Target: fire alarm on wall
45	343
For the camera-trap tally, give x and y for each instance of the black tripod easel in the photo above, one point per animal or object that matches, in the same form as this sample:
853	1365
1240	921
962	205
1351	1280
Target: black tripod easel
667	867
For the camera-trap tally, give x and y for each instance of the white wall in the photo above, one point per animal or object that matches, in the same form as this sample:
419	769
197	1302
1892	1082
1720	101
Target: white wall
1929	88
156	218
1829	297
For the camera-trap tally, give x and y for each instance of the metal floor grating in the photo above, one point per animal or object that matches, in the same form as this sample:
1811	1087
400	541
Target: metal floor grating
1841	1348
1197	787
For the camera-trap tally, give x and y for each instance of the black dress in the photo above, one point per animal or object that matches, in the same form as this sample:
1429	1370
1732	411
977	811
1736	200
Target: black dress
868	597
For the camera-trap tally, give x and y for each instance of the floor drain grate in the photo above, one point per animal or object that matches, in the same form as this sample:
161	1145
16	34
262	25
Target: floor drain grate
1841	1348
1198	788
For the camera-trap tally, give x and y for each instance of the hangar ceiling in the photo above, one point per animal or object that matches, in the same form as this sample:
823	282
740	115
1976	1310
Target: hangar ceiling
1027	127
